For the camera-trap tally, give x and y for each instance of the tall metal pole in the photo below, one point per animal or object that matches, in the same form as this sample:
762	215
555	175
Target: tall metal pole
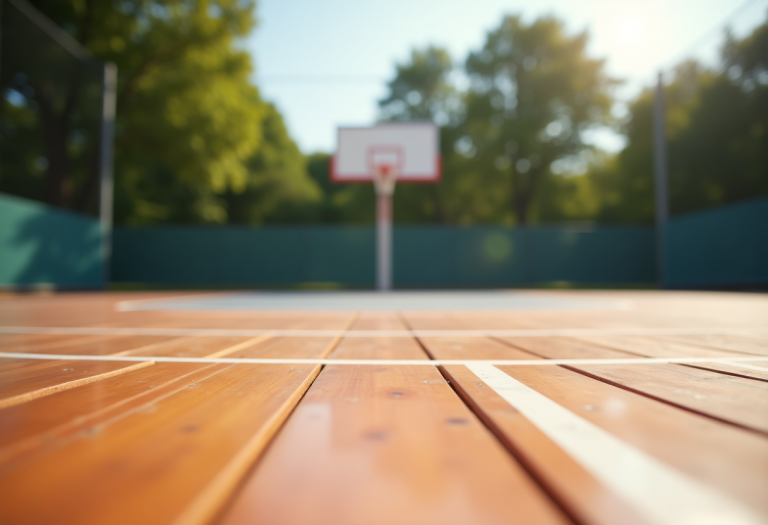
384	180
2	21
108	104
661	185
384	241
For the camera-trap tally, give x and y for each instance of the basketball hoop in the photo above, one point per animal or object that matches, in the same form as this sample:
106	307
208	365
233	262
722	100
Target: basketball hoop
385	154
384	179
384	164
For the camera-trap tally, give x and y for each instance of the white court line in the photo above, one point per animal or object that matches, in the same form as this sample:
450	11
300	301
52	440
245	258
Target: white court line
379	362
662	494
742	365
244	332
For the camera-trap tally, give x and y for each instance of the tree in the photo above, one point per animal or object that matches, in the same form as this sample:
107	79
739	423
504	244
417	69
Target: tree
422	90
341	203
716	132
533	92
277	188
190	127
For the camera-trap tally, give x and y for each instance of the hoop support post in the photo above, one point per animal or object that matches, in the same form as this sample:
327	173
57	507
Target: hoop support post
384	179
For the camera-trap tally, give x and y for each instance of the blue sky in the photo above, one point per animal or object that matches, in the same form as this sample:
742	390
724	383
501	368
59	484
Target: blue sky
324	63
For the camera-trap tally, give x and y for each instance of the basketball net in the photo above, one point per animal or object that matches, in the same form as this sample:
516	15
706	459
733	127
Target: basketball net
384	178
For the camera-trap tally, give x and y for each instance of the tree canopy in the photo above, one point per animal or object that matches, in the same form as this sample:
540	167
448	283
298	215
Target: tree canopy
196	143
533	91
193	136
717	137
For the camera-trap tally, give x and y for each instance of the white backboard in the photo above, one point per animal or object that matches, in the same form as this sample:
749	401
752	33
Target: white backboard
412	147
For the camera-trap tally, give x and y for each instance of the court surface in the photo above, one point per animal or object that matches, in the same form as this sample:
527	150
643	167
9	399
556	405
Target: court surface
408	408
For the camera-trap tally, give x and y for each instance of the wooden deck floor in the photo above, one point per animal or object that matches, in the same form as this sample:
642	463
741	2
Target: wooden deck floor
653	413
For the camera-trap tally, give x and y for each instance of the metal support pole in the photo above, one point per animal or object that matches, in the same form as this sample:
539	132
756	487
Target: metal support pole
661	185
384	180
108	104
384	241
2	22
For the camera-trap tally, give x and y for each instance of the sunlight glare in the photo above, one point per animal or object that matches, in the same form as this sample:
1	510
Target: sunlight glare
629	30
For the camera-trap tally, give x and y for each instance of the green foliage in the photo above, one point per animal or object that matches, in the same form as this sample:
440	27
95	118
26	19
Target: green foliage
194	140
421	89
195	143
512	144
533	93
19	130
342	203
717	138
277	189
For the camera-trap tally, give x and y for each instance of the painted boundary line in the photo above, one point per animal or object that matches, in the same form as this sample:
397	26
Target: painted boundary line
379	362
226	332
662	494
193	304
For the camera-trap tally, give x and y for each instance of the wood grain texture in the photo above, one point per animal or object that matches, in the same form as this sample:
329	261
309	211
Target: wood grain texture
734	343
170	442
165	444
736	400
46	378
61	344
656	347
733	460
748	370
46	421
380	445
584	497
153	460
660	347
697	447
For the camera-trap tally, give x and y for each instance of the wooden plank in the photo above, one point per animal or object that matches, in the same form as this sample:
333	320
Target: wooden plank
51	377
180	439
41	377
731	459
749	370
49	420
93	345
177	454
609	347
38	422
287	348
386	445
52	343
733	399
374	445
734	343
725	457
564	348
662	493
656	347
190	346
472	348
122	345
13	342
737	400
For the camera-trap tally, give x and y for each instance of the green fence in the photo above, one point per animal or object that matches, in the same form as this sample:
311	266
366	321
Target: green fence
277	255
726	246
423	256
40	245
